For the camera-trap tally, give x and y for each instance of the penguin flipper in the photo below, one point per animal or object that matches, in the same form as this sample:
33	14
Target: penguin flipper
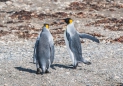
84	35
52	53
34	53
35	47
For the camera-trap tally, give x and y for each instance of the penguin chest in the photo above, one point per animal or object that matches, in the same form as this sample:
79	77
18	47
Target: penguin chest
68	48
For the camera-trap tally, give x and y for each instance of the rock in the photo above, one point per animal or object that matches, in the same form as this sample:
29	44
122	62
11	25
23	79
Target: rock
103	41
8	2
16	5
2	5
5	85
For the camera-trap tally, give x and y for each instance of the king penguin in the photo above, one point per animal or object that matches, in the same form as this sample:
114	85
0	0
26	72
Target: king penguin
72	41
44	50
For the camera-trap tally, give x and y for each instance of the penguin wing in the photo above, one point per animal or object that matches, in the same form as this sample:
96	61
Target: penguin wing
84	35
35	47
52	53
36	44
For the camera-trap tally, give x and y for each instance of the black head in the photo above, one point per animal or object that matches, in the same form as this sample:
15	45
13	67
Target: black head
68	20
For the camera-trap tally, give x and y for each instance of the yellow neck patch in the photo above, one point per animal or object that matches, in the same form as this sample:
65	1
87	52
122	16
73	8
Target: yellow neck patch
70	21
47	26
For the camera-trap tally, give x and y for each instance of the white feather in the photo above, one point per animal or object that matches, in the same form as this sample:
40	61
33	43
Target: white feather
68	48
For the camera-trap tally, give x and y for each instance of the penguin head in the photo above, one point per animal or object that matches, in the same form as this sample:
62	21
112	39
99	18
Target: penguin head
46	26
68	20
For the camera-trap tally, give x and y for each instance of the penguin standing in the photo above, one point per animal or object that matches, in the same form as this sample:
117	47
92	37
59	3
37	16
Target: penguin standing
72	41
44	50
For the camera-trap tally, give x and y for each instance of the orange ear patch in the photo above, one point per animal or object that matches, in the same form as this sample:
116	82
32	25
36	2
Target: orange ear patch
70	21
47	26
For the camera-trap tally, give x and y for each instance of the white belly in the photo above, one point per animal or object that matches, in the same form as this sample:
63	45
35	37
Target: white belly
68	48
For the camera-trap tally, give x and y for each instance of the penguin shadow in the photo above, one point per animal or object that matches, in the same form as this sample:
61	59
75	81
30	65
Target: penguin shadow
119	84
61	66
25	69
32	62
3	0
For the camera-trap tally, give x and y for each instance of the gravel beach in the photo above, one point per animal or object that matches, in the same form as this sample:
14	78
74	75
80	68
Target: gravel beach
21	21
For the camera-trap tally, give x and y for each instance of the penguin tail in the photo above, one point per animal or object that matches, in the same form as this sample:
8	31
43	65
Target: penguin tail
87	62
84	61
39	64
43	69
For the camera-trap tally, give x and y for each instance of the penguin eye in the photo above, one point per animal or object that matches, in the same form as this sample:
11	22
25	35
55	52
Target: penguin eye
70	21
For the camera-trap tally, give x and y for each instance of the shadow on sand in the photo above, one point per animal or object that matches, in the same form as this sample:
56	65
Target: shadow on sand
25	69
61	66
4	0
58	65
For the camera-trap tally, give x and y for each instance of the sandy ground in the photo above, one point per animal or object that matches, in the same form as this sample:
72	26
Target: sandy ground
21	22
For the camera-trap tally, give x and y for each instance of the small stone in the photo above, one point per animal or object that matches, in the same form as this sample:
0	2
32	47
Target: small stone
38	8
5	85
78	21
103	41
16	5
68	73
8	2
2	5
116	77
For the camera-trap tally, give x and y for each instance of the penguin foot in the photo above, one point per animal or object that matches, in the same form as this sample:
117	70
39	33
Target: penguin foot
42	73
38	71
75	66
88	63
47	71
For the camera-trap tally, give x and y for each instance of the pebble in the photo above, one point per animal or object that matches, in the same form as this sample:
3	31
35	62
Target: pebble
39	8
2	5
67	73
5	85
16	5
8	2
